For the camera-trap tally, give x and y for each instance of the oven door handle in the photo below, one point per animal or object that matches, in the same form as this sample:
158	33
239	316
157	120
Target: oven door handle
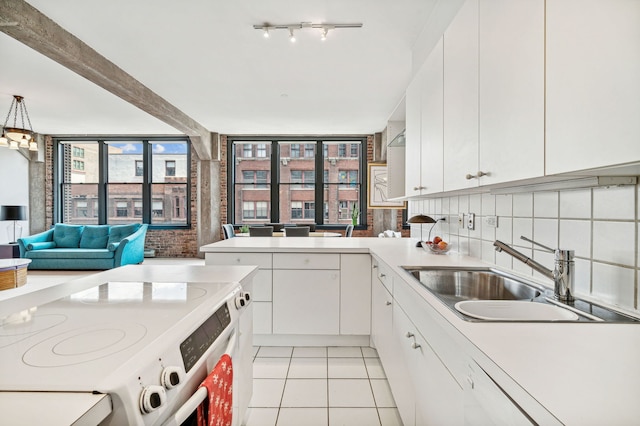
183	413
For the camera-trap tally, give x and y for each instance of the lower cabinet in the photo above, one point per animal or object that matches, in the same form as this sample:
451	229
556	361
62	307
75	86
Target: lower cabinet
437	398
485	403
306	302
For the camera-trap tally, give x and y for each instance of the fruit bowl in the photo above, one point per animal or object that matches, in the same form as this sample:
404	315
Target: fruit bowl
435	248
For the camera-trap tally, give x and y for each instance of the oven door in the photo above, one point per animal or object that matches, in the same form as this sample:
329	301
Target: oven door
186	413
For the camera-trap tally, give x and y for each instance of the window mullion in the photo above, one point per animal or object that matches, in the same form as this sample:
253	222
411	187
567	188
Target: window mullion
147	181
103	181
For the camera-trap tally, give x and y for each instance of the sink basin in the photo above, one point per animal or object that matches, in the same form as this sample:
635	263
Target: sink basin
473	284
512	310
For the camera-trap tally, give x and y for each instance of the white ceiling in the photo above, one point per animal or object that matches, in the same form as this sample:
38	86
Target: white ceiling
204	57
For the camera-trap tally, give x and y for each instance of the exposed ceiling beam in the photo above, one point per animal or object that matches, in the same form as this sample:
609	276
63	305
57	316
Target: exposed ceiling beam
28	25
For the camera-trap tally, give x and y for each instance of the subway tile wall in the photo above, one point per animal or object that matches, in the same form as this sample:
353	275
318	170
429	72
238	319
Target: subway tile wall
600	224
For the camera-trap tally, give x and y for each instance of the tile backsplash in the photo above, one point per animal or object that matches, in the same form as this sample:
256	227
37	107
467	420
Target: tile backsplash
600	224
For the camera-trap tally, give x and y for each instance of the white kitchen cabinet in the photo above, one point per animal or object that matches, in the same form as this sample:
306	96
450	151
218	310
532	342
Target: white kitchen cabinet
511	89
438	398
413	136
461	99
593	89
306	301
424	143
485	403
355	294
432	160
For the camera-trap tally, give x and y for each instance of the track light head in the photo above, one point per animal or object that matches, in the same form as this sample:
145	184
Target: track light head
292	37
265	34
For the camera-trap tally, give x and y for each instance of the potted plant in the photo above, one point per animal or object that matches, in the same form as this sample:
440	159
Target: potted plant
354	215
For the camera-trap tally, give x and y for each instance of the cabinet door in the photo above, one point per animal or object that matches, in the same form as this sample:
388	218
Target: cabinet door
461	98
355	294
593	84
399	373
381	310
306	302
438	397
486	404
413	135
511	89
431	154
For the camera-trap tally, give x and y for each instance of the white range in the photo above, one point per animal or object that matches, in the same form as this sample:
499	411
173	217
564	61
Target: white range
126	346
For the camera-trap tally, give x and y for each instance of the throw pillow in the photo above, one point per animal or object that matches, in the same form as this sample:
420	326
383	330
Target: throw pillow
95	237
41	246
120	232
67	236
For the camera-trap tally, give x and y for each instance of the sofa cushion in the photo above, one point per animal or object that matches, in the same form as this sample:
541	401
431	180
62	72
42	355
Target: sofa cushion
120	232
95	236
41	245
67	235
69	253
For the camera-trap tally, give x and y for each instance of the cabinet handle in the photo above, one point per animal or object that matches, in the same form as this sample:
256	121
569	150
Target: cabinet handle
409	335
375	266
387	303
469	176
382	275
415	345
418	188
470	381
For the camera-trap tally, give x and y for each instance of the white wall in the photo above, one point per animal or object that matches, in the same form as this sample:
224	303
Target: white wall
600	224
14	187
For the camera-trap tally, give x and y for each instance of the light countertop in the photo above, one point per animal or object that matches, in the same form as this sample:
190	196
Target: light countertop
583	373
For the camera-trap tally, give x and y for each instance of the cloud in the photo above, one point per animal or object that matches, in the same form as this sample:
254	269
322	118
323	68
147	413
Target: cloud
129	148
158	148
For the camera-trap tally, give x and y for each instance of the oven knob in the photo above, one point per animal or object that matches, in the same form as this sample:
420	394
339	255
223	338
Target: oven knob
151	398
246	295
240	302
171	377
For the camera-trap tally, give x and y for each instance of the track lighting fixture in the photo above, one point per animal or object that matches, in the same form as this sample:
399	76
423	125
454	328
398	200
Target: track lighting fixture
324	28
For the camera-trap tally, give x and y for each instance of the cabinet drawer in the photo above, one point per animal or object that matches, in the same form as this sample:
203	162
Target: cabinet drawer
306	261
263	260
262	317
385	276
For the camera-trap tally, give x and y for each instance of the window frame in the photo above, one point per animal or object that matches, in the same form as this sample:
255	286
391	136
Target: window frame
103	182
320	143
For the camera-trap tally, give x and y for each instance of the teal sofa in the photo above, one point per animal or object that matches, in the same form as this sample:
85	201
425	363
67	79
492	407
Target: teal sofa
85	246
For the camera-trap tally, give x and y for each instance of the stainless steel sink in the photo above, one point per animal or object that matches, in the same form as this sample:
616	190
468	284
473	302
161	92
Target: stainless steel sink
452	285
474	284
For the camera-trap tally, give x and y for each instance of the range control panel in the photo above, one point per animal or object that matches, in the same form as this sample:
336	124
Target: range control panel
194	346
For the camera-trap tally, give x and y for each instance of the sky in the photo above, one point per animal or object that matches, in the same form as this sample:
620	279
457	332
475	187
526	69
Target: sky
158	147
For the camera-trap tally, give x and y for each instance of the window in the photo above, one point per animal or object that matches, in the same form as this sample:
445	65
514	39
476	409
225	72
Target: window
111	185
121	209
247	151
78	165
289	188
170	168
255	209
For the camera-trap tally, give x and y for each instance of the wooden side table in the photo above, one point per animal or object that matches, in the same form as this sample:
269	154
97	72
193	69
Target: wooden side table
13	273
9	251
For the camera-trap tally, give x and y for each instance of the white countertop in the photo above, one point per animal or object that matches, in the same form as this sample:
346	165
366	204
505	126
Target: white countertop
583	373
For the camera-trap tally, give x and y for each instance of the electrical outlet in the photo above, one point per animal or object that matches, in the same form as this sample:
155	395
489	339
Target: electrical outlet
471	221
492	221
461	221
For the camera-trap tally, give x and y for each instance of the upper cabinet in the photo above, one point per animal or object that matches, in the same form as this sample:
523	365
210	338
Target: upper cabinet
461	98
511	90
593	84
424	132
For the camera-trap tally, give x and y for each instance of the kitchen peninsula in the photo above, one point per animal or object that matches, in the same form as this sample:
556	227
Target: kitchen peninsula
440	367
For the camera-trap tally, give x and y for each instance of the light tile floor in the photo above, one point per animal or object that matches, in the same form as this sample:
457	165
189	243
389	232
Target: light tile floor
324	386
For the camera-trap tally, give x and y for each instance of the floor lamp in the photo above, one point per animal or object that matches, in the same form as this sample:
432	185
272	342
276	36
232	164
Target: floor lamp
14	213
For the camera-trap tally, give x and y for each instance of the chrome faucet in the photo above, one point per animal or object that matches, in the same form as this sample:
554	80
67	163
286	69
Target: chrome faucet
563	271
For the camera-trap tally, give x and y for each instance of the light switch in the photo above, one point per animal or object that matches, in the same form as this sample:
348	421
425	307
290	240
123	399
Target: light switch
471	221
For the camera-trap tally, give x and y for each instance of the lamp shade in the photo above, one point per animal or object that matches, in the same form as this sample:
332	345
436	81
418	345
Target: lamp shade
421	218
13	213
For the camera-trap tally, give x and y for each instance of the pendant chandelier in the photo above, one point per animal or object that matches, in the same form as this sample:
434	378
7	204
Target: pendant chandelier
13	136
